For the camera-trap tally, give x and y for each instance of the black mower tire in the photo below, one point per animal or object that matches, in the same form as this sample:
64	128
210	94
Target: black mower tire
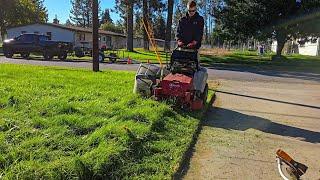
204	94
25	55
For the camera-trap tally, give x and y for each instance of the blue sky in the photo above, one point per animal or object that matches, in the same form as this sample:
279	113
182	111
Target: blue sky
61	8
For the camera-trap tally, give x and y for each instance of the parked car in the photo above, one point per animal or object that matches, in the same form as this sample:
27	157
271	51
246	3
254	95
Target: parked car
36	43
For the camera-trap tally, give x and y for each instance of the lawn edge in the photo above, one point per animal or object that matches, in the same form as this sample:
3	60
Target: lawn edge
185	160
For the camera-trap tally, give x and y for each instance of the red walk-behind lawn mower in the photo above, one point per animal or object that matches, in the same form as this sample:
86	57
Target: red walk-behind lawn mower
182	81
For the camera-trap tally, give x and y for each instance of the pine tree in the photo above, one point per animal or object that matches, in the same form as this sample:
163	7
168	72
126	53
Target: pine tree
105	17
68	23
159	26
81	13
168	31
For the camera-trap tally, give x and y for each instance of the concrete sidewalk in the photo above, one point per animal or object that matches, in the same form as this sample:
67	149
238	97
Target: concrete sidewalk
249	122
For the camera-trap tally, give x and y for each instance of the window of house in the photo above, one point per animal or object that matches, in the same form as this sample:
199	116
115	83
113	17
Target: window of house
82	36
108	41
104	38
49	34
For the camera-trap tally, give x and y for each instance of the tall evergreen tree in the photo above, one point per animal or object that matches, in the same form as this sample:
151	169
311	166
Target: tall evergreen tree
81	13
145	21
138	24
68	23
105	17
159	26
130	25
168	31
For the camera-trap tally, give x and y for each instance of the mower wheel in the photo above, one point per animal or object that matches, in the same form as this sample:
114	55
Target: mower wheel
204	94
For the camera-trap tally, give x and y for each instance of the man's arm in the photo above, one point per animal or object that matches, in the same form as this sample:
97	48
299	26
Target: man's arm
179	31
199	34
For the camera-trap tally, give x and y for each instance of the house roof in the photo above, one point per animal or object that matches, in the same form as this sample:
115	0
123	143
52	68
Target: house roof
78	29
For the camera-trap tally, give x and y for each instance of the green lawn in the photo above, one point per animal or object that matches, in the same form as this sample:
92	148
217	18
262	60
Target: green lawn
61	123
287	63
249	58
141	55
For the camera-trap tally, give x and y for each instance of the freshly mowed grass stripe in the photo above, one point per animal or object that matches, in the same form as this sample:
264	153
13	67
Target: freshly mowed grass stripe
60	123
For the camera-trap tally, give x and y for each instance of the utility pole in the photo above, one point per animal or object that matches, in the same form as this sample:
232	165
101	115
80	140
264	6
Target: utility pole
130	25
95	36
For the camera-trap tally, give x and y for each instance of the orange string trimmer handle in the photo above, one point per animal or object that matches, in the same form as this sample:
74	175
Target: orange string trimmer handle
299	168
283	155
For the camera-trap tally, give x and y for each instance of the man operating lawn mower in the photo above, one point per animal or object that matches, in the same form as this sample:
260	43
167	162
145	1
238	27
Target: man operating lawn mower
190	29
182	81
189	36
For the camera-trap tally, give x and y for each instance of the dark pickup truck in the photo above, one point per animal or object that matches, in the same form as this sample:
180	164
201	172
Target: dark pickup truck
36	43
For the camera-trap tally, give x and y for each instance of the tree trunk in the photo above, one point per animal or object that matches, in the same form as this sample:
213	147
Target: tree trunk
145	20
3	33
206	21
169	25
130	25
95	36
281	40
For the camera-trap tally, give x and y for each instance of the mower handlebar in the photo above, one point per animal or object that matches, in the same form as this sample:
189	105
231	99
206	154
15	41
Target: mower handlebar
185	48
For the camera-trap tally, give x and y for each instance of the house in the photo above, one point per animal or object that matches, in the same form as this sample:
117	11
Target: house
310	48
77	35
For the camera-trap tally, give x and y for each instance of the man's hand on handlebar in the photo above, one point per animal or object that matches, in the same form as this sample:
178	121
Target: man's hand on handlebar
192	44
180	43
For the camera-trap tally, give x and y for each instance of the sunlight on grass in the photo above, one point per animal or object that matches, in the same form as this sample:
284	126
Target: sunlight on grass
59	123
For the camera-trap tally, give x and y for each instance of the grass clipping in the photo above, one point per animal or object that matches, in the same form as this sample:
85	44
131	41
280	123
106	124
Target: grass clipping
58	123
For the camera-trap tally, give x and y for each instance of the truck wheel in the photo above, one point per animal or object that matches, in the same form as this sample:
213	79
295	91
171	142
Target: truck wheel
204	94
8	54
25	55
47	56
63	56
101	57
79	53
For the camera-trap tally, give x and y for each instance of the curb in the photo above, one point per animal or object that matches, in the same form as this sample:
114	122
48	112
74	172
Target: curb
185	161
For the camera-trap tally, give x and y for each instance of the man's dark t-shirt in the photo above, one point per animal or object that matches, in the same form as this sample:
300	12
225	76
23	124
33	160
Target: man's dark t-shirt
191	29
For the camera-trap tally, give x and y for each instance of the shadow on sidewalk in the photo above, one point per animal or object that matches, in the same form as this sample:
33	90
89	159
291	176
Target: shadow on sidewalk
232	120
